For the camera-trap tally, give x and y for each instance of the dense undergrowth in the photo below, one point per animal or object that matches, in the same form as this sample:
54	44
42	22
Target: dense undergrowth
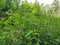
29	25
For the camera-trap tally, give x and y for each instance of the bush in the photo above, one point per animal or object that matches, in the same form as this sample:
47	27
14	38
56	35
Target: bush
29	25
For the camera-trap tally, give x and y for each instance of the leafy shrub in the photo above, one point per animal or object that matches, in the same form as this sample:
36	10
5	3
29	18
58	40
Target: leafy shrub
29	25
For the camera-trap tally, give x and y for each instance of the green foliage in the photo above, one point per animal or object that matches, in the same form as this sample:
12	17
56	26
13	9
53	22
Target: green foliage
2	4
28	24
